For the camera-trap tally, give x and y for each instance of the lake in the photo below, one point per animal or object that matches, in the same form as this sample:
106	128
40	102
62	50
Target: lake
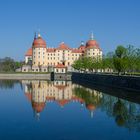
62	110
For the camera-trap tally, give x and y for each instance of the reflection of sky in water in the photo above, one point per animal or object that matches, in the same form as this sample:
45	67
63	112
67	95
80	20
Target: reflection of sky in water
112	118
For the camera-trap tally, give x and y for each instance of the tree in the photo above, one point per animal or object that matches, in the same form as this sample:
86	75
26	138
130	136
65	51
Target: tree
120	59
107	61
7	64
77	64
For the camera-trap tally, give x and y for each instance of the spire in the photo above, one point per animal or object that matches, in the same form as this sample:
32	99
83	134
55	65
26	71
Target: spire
37	116
92	36
91	114
39	35
34	35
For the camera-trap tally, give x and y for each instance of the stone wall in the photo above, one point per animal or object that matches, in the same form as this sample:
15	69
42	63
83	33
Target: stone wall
25	76
122	82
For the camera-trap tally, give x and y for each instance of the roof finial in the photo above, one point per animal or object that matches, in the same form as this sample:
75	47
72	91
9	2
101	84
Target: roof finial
62	43
92	36
39	33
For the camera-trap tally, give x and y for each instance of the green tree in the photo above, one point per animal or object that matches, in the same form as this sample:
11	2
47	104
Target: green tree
77	64
120	59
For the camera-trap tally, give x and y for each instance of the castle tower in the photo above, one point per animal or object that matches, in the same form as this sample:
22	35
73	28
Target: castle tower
92	48
38	53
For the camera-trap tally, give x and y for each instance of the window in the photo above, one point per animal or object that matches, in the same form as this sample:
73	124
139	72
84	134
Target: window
62	70
36	69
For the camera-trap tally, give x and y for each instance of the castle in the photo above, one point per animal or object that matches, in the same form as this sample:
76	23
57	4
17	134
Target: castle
40	58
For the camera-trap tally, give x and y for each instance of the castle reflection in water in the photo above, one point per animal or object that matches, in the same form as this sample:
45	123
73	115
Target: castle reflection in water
39	93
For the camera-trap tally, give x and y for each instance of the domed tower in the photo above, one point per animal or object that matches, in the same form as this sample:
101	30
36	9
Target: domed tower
92	48
38	52
91	108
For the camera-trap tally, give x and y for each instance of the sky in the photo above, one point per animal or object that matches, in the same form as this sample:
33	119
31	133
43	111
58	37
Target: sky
113	23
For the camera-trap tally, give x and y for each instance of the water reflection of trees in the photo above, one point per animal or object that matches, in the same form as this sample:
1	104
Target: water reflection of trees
7	84
89	97
126	114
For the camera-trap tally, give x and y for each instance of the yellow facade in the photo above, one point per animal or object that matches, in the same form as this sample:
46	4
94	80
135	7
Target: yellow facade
44	57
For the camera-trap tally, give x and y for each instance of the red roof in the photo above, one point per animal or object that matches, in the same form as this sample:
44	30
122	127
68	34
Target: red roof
39	43
63	102
29	96
82	47
29	52
38	106
60	66
92	44
76	51
50	98
50	50
90	107
63	46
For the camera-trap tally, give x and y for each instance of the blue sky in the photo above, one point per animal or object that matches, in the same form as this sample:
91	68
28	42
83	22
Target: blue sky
113	22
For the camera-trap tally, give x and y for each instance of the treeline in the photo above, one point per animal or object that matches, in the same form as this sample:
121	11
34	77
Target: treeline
123	60
8	64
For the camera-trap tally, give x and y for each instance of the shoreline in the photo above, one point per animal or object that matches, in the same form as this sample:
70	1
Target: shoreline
24	76
130	83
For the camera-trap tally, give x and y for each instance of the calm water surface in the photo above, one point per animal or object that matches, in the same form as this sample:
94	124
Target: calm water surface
62	110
